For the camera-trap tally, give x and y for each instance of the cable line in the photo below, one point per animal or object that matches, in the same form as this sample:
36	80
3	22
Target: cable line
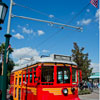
78	13
45	14
42	13
48	38
31	9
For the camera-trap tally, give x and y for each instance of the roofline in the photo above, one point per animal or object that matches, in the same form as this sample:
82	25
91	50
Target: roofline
44	62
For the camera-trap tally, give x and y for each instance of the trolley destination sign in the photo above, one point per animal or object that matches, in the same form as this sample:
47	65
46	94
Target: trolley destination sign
62	57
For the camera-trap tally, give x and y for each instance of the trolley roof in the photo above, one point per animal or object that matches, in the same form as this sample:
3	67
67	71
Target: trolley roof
47	59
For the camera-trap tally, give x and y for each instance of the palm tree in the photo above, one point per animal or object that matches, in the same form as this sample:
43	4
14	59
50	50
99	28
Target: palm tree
2	50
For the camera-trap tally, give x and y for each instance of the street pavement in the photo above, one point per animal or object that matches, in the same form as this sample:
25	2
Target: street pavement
93	96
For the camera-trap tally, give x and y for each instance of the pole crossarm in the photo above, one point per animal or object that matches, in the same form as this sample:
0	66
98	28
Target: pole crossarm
50	22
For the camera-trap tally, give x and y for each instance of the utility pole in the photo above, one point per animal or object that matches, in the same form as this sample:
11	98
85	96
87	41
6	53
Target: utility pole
6	55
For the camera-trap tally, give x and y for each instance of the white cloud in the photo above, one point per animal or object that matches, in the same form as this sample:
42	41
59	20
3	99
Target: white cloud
84	22
26	60
24	52
19	26
51	16
18	36
78	22
97	14
88	10
73	13
28	31
95	67
23	61
27	24
45	51
13	30
40	32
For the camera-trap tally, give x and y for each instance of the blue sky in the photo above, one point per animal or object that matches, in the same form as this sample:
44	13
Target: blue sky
28	36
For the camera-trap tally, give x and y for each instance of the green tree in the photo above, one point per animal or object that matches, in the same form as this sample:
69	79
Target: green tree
11	64
2	50
82	61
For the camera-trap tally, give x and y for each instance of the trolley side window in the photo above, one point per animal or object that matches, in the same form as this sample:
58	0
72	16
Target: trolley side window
23	77
63	75
47	77
19	94
30	77
20	81
34	74
74	75
15	92
79	76
27	78
16	81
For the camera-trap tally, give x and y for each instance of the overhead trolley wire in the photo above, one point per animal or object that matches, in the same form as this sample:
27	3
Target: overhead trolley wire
31	9
78	13
42	13
45	14
73	18
48	38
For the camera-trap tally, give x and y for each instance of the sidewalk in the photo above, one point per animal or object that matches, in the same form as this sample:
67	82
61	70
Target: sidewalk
93	96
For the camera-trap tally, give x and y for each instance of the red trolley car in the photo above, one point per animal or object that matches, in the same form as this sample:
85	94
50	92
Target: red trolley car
47	78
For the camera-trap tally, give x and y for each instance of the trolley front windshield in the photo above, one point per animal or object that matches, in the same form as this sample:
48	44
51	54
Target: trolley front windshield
64	75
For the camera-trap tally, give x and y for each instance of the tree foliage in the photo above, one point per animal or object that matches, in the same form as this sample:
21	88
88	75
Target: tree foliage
10	62
82	60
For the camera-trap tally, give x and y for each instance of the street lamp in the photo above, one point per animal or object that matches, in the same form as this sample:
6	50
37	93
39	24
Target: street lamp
3	78
3	12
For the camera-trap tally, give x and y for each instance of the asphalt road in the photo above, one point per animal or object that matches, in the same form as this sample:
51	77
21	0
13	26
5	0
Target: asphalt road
93	96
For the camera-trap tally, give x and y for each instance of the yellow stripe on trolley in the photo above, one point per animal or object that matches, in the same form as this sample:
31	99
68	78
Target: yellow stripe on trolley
56	91
33	90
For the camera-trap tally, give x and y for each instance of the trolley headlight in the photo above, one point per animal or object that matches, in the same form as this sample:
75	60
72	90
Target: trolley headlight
73	90
65	91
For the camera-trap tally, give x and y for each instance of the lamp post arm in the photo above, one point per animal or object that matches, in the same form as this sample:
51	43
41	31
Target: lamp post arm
50	22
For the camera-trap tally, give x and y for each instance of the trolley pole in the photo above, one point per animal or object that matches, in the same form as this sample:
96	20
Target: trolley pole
6	55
